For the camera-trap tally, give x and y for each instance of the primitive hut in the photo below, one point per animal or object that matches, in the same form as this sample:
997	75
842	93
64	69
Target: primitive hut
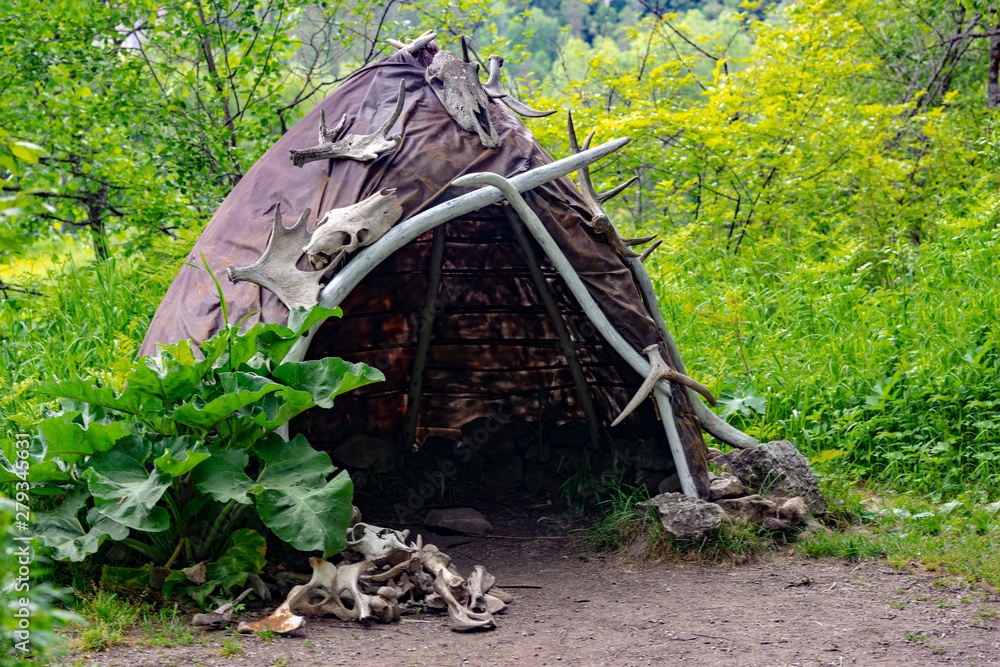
471	318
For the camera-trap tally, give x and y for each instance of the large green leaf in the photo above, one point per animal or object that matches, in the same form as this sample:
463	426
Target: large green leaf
238	390
301	318
292	463
180	455
297	502
85	391
280	407
310	518
325	379
246	553
224	477
125	491
62	530
69	440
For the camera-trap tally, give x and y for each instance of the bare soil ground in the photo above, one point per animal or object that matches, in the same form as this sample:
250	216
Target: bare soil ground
783	610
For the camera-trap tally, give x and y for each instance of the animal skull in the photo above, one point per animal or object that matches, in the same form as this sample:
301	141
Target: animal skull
456	83
379	545
344	230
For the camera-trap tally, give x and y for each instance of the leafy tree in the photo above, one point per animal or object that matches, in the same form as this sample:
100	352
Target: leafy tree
789	144
147	114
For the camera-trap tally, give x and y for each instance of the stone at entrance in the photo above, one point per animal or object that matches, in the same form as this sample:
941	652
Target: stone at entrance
460	520
683	517
778	469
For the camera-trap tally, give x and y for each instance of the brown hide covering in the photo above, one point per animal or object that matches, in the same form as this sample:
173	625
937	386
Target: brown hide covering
494	349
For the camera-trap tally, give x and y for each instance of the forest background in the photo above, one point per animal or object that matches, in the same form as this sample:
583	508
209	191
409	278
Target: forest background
823	175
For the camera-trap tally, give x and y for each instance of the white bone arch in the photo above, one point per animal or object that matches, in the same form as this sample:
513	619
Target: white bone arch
365	260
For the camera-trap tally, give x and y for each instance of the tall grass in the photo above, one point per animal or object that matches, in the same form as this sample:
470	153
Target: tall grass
87	319
882	362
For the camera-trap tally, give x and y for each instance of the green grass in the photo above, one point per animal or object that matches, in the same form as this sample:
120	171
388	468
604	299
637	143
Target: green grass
961	536
230	647
878	362
167	627
108	616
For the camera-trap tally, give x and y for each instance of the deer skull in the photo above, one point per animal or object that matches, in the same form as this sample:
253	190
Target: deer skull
345	230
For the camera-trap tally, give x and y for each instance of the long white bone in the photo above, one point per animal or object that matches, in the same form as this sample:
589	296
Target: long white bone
402	233
413	45
594	312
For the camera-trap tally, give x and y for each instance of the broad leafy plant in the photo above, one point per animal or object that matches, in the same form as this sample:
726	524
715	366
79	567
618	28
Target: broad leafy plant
170	457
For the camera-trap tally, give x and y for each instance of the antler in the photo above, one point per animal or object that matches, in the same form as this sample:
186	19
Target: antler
352	147
660	371
414	45
275	270
600	223
494	88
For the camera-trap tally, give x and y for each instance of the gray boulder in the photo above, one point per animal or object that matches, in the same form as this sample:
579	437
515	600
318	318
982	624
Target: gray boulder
726	485
778	469
683	517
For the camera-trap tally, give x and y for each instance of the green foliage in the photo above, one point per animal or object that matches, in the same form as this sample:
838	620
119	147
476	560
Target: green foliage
173	450
889	379
789	142
46	603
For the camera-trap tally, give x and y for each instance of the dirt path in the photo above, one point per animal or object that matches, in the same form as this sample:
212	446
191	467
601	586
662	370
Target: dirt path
593	611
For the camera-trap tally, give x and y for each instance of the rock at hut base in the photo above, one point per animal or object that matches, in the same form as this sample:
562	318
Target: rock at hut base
777	469
754	509
685	518
671	484
790	512
463	520
725	486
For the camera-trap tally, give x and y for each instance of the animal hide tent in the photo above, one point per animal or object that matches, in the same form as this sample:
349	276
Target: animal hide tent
470	318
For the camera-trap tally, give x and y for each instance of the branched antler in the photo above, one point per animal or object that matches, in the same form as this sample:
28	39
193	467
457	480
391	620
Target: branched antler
660	371
494	88
275	270
600	222
352	147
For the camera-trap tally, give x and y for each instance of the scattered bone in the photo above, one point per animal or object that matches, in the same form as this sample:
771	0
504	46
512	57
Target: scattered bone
378	545
362	148
453	589
282	621
221	616
413	576
501	594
